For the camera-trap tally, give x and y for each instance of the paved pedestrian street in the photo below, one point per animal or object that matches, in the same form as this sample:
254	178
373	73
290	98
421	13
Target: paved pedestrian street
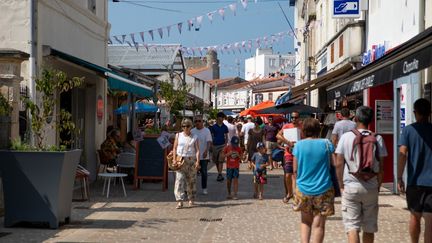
149	215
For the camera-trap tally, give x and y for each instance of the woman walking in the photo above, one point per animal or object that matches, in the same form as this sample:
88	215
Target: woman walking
186	145
314	194
255	136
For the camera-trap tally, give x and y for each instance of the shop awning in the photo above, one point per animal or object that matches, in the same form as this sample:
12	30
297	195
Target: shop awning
115	81
410	57
140	107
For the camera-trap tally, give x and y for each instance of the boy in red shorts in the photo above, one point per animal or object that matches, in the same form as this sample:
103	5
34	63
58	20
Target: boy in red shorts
233	154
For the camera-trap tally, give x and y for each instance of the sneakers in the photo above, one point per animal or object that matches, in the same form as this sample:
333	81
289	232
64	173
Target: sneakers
220	177
204	192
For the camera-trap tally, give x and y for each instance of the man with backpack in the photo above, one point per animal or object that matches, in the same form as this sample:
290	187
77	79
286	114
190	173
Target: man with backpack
359	168
416	150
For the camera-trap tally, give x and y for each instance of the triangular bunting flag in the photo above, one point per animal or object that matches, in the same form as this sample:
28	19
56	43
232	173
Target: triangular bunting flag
142	36
168	30
136	46
151	34
179	27
199	20
132	36
244	3
117	39
190	24
123	38
146	47
128	42
160	31
109	41
233	8
222	13
210	16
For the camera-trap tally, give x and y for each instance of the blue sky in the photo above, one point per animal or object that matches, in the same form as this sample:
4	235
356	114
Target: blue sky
260	19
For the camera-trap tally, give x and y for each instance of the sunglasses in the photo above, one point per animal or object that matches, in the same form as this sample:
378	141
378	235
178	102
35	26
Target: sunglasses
198	121
294	117
187	126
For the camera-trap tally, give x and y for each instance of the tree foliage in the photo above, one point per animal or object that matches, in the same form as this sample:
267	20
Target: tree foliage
50	85
175	99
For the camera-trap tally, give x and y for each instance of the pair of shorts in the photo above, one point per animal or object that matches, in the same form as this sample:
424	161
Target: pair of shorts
260	177
232	173
360	209
322	204
419	199
270	146
217	154
288	167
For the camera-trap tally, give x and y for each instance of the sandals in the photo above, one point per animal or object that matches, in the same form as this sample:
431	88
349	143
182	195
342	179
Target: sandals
286	199
191	203
179	205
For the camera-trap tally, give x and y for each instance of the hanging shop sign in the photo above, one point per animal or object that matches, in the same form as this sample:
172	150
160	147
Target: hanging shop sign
346	9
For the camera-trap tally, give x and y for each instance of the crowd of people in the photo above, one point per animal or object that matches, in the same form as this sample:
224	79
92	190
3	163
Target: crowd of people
316	170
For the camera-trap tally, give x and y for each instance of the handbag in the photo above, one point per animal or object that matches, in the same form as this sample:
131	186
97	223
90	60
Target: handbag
178	163
333	172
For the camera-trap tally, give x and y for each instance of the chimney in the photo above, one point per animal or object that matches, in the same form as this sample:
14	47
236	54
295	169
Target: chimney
213	63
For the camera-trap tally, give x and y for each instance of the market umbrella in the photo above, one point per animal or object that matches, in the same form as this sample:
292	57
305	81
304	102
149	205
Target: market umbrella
253	110
286	108
230	113
140	107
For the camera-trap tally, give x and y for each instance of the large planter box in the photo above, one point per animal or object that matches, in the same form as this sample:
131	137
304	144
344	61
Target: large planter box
38	186
5	131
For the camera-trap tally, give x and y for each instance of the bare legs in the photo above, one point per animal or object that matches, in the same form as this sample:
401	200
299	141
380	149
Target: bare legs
415	227
289	184
312	226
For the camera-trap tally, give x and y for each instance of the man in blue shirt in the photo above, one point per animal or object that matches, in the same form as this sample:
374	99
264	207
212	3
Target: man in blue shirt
219	132
416	148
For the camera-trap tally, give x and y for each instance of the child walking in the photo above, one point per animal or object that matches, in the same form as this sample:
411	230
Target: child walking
233	154
260	163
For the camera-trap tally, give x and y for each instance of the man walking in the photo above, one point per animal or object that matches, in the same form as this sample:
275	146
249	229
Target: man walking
270	133
342	126
245	132
289	182
220	137
416	146
360	192
205	142
229	122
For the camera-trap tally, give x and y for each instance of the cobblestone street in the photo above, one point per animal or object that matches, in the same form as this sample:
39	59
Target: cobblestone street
149	215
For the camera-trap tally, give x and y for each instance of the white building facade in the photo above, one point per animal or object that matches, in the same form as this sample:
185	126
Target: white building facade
266	63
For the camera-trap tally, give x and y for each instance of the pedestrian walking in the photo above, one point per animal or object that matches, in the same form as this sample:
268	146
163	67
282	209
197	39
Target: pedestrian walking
245	133
359	168
233	154
260	163
186	145
416	150
314	193
289	180
232	131
205	142
255	136
342	126
219	133
270	133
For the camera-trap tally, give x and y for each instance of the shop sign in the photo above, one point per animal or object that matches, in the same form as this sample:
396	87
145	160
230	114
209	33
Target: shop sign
384	116
346	9
99	108
362	84
375	53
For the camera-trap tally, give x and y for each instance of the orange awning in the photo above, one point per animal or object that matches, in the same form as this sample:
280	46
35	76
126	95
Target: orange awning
252	111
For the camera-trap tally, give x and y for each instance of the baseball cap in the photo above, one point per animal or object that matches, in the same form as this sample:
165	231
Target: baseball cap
235	140
248	117
260	145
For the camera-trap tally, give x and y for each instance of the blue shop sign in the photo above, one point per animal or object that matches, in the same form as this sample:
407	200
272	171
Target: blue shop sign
371	55
346	8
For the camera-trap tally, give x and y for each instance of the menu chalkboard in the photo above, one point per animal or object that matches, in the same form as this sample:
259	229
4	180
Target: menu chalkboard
150	161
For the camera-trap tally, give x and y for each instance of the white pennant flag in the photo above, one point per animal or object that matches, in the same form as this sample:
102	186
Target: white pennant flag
199	20
222	13
168	30
160	31
233	8
244	3
210	16
142	36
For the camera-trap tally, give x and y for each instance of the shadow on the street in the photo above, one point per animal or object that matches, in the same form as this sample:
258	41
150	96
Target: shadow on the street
218	205
99	224
152	223
114	209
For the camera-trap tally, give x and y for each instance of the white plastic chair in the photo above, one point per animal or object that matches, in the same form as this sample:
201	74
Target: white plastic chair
126	160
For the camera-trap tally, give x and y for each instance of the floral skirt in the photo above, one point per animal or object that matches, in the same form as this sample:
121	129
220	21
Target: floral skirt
322	204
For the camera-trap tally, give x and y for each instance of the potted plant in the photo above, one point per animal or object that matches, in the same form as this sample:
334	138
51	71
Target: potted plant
5	112
38	179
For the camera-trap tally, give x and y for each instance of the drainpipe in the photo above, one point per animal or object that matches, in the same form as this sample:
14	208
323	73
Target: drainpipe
33	58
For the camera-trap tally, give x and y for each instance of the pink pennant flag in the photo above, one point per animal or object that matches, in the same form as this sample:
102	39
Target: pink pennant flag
243	44
146	47
233	8
210	16
142	36
151	34
123	38
168	30
222	13
160	31
179	27
190	24
244	3
257	41
199	20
